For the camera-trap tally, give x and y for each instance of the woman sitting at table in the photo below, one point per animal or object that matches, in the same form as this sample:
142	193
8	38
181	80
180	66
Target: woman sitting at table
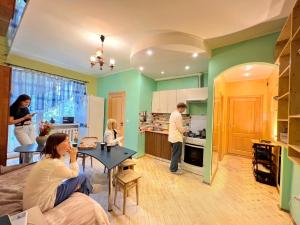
46	185
111	136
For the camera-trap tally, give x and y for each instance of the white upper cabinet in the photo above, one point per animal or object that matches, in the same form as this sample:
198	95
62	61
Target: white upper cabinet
155	102
171	100
166	101
163	101
196	94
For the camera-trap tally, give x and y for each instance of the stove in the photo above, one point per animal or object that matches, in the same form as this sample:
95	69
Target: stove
195	141
192	157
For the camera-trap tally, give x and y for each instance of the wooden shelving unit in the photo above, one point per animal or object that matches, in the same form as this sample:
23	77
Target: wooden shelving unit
287	55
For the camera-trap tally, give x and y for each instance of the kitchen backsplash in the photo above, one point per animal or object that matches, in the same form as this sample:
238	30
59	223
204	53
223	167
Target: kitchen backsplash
159	121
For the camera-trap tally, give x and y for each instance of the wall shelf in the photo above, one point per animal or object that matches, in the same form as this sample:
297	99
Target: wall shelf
285	72
288	57
295	147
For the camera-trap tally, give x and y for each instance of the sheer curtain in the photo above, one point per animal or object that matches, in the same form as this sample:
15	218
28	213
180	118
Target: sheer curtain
51	97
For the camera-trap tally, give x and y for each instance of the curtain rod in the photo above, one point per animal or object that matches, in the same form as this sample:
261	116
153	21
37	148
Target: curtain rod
27	68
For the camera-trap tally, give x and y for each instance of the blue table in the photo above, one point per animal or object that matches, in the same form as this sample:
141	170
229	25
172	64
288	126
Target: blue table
110	160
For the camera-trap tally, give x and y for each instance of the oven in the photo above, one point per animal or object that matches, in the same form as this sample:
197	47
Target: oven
192	156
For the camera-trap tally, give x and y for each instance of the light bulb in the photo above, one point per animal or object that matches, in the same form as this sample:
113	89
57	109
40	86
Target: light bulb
195	55
93	59
112	62
141	68
99	53
149	52
187	67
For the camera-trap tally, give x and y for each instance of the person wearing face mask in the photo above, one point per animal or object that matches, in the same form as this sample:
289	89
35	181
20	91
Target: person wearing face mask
21	117
51	181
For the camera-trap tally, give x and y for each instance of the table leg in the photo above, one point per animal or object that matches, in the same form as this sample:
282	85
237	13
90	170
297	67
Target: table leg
110	186
20	158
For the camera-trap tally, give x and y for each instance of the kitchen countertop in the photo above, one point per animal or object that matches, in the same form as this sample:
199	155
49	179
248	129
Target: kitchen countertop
158	132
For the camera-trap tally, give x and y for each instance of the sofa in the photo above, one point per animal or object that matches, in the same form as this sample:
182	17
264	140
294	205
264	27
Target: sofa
78	209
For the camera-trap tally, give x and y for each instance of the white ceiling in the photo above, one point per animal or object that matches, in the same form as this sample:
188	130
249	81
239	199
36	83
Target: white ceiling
65	33
249	71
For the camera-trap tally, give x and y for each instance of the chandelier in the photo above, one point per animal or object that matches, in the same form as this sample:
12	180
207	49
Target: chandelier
99	57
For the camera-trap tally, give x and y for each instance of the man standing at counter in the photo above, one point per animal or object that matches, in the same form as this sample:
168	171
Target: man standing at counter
176	131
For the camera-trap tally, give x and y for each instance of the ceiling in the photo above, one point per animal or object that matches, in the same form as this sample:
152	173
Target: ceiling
66	33
249	71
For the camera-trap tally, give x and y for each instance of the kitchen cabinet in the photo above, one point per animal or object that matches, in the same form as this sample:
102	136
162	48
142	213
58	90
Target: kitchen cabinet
157	145
155	102
166	101
196	94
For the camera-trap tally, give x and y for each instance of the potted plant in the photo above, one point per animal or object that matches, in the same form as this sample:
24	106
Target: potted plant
44	131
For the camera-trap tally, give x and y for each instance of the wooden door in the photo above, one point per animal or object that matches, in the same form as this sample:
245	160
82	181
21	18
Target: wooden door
217	127
116	110
245	123
5	79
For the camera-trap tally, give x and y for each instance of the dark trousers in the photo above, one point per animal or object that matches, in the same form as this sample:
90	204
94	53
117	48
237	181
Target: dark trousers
176	153
68	187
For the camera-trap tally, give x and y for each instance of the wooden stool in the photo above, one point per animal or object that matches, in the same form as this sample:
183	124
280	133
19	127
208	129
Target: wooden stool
126	180
130	163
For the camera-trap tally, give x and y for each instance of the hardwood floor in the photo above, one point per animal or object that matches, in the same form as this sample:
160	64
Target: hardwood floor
234	197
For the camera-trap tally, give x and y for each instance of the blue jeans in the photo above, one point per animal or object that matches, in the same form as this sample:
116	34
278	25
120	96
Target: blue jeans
68	187
176	153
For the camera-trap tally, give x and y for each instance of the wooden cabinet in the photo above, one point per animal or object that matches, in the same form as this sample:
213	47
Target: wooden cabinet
157	145
196	94
287	54
163	101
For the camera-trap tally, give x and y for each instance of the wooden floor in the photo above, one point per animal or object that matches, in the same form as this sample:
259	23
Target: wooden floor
234	197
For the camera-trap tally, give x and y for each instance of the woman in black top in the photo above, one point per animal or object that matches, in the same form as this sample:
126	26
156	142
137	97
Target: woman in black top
21	118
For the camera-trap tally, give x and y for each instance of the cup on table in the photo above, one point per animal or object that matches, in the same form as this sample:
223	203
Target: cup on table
102	144
108	147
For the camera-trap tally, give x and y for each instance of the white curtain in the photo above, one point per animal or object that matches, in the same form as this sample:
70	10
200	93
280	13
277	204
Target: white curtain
51	97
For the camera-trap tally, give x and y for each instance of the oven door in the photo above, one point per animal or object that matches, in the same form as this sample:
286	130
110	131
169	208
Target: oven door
193	155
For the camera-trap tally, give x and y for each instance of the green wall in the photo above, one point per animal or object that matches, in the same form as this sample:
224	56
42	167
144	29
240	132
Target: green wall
256	50
138	89
47	68
182	83
197	108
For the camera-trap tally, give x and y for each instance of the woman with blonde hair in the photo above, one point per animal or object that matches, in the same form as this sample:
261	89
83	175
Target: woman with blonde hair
111	136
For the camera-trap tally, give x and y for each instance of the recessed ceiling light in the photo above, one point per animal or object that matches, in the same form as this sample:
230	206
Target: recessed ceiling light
162	72
246	74
187	67
149	52
248	67
195	55
141	68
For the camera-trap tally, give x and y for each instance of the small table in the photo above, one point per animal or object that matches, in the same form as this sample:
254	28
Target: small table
25	150
110	160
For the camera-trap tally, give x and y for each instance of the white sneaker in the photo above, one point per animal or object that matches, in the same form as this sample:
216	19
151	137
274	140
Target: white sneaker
178	172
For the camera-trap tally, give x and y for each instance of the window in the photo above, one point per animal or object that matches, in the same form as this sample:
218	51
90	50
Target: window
51	97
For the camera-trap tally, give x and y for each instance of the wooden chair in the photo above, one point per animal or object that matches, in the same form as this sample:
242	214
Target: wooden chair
127	180
87	143
128	163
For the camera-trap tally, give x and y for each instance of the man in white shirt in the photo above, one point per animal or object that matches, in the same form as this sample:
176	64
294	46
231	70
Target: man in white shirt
176	131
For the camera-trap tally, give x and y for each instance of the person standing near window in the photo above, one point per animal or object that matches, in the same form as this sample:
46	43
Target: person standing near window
21	118
176	131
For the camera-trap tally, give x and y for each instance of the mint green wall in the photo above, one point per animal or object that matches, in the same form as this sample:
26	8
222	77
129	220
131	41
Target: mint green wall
256	50
182	83
295	191
197	108
138	89
147	87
